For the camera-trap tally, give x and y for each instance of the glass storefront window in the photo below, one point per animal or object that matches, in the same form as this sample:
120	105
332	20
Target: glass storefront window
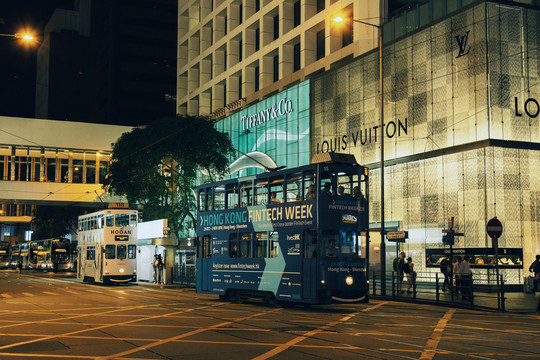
90	171
77	171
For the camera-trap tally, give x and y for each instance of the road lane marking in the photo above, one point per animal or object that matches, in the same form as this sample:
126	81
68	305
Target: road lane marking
7	296
54	356
295	341
376	306
28	294
49	293
181	336
431	346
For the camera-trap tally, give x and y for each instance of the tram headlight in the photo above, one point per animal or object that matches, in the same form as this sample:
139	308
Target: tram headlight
349	280
121	270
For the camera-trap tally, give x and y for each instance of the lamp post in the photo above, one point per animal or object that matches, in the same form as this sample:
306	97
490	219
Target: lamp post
21	36
381	125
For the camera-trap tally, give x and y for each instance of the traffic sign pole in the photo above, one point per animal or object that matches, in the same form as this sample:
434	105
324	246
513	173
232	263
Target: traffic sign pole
494	229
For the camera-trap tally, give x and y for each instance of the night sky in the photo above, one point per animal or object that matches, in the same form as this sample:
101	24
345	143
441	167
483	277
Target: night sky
18	61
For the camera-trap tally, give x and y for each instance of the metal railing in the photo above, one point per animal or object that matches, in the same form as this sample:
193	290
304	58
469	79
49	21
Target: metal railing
429	287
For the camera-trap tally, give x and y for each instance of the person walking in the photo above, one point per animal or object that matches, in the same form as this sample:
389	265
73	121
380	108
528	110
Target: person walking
465	276
535	268
408	269
158	269
398	268
446	271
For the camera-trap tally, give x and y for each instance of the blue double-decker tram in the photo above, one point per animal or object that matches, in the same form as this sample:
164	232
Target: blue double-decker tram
296	235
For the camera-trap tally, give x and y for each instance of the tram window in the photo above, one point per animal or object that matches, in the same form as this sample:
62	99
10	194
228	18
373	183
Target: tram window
110	251
294	185
349	244
273	242
246	194
132	253
121	220
219	198
231	192
208	200
328	184
310	243
276	190
330	242
110	220
261	244
121	251
133	220
233	245
202	199
261	192
244	245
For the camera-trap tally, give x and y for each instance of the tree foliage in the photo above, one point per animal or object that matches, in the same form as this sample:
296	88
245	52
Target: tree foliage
157	165
54	221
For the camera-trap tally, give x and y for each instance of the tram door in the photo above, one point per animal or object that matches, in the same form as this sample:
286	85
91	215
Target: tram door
309	265
205	258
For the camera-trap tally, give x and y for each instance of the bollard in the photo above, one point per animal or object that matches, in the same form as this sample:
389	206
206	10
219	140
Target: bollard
437	287
503	308
374	287
393	284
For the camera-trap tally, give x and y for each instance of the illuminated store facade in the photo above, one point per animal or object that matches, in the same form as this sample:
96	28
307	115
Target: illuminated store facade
461	135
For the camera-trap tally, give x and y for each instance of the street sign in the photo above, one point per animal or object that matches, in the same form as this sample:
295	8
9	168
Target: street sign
494	228
448	239
398	236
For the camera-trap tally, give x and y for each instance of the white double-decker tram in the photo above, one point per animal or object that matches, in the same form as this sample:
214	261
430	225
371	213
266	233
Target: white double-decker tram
107	247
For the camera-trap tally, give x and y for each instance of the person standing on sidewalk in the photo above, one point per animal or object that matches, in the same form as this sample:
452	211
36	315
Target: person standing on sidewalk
446	270
455	270
535	268
408	269
465	276
398	267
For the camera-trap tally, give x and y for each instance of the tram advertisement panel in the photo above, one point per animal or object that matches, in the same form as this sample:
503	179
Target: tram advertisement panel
258	247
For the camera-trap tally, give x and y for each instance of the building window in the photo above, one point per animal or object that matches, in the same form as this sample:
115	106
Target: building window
276	27
225	21
240	87
296	13
240	15
224	95
257	5
320	5
320	44
347	35
240	50
256	78
257	39
276	68
296	57
225	59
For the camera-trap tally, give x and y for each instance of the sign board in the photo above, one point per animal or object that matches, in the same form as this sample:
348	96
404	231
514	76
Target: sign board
398	236
448	239
494	228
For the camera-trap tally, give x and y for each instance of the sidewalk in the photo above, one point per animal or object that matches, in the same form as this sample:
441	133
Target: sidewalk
515	302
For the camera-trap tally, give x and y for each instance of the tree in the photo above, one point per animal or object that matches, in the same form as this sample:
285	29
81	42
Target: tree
55	221
157	166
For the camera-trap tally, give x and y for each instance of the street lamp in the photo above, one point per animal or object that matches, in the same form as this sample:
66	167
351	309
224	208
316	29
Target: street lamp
21	36
381	125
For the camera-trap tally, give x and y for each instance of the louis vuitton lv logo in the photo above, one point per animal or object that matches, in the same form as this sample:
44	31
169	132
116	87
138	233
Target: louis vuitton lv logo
462	41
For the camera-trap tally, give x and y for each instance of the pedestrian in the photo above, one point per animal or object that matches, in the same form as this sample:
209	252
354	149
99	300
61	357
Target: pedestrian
446	271
19	265
160	270
465	279
408	269
535	268
398	268
155	266
455	270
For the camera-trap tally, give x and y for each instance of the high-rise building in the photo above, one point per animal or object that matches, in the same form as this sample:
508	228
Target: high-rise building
233	53
109	62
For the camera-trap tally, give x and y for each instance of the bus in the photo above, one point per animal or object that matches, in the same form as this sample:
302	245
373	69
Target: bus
296	235
20	251
52	254
107	246
5	260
